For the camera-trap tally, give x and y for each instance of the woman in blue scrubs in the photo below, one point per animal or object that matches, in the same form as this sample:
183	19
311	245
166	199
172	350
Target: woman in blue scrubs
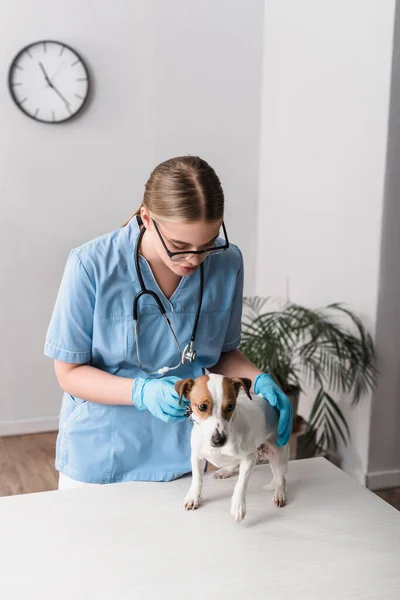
117	421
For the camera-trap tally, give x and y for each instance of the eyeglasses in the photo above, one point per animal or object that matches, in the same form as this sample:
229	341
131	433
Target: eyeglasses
177	256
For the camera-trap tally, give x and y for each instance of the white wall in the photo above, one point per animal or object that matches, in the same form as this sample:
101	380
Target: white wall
323	144
384	451
170	78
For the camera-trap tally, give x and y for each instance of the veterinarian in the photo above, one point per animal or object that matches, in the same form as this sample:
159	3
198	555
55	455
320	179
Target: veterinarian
120	417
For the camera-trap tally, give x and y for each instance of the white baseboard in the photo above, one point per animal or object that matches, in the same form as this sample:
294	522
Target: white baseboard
377	480
25	426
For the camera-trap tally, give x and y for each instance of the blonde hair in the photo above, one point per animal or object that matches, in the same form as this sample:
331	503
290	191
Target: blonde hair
184	188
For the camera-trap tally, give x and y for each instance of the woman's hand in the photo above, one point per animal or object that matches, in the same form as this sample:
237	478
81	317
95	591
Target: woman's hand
159	397
266	386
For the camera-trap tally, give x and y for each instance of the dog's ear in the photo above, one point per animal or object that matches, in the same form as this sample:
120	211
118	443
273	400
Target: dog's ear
242	382
183	388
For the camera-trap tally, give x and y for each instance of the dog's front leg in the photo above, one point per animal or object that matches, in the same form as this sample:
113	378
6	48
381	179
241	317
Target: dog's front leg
192	499
238	503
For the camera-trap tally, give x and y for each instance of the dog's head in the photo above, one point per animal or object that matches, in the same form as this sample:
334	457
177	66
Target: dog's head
213	402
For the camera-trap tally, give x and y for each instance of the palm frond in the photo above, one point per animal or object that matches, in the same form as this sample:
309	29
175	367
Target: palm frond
334	407
296	344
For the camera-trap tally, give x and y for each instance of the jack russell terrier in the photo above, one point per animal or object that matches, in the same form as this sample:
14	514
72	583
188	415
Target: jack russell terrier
231	428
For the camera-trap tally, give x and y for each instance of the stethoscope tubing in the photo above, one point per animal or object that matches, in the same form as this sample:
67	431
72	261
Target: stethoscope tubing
189	352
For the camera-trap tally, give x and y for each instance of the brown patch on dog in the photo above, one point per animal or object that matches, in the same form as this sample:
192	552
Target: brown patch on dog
263	453
231	387
242	382
229	396
183	388
198	394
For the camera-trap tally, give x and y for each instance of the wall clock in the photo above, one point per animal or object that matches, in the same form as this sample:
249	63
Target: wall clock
49	81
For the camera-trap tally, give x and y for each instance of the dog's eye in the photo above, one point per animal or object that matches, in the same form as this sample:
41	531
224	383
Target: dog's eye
202	407
230	407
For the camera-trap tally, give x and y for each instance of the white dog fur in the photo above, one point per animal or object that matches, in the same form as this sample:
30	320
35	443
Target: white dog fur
230	424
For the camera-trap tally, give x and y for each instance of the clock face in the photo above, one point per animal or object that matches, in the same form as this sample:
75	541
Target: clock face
49	82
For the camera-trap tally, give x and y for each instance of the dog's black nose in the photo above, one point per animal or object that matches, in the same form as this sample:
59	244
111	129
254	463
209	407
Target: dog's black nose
218	439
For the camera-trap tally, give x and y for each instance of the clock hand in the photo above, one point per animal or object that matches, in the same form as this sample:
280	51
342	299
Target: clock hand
61	96
60	66
53	87
45	75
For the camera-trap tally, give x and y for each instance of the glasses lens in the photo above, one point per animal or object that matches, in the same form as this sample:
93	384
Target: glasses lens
214	251
181	257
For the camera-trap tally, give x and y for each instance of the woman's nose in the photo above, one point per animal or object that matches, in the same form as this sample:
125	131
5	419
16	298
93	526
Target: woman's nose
195	260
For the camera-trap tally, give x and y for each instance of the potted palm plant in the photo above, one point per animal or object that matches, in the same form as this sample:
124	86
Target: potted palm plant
327	350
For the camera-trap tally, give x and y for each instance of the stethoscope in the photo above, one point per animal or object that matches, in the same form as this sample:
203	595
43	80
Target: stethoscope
189	353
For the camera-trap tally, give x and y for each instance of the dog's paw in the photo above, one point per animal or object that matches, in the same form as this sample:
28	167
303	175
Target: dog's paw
191	501
279	498
238	509
224	473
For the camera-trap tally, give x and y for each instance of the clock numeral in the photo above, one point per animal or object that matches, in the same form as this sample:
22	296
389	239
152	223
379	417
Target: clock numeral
29	53
24	100
78	96
53	115
44	47
75	62
37	112
62	51
15	83
82	79
18	67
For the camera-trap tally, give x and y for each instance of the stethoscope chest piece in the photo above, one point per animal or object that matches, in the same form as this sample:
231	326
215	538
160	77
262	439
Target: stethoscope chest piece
188	354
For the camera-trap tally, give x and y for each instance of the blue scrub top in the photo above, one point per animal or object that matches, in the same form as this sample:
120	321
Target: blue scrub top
92	323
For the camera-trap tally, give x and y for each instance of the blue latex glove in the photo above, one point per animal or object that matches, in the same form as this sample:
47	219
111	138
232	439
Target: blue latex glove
159	397
266	386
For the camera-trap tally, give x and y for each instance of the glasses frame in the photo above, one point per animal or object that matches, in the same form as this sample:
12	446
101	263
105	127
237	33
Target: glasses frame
209	251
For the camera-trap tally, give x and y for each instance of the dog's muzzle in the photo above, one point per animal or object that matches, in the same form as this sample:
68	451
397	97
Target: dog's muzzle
218	439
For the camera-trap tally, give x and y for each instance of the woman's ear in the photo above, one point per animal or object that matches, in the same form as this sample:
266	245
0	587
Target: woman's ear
146	218
183	388
242	382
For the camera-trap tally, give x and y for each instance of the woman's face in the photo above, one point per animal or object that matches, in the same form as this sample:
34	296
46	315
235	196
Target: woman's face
181	237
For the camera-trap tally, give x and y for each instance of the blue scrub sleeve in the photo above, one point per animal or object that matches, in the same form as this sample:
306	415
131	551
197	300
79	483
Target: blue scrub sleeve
69	336
233	335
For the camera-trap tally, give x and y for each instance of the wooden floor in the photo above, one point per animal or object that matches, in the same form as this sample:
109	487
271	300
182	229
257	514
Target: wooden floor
27	465
392	496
